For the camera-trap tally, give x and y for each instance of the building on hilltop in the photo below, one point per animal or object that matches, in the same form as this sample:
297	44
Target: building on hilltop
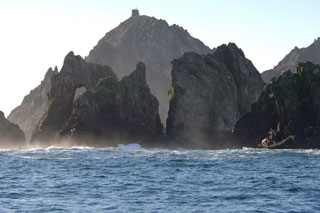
135	12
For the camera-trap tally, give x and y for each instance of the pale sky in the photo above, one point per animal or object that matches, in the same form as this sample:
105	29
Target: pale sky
37	34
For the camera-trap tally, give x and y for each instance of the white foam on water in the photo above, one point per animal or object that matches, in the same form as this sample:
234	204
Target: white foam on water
82	147
130	147
312	151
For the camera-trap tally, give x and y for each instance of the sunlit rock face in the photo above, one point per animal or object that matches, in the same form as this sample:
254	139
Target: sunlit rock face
208	94
116	112
287	112
11	136
147	39
75	73
291	61
33	107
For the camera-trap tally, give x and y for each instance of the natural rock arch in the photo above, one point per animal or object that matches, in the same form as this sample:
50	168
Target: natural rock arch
74	74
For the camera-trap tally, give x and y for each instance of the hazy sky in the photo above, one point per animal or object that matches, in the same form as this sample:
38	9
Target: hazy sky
37	34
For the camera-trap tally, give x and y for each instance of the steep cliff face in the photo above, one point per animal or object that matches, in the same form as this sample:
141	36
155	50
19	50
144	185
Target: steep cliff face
116	112
11	136
208	94
33	107
291	61
287	113
147	39
75	73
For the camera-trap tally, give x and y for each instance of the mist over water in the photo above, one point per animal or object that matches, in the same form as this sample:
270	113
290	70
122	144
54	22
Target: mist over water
132	179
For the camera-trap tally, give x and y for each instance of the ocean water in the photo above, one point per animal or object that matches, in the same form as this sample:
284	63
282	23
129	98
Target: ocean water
132	179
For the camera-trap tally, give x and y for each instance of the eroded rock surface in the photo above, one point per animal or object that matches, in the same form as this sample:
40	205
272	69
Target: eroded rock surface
208	95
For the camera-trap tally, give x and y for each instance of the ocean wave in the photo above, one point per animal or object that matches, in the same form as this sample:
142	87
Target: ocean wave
130	147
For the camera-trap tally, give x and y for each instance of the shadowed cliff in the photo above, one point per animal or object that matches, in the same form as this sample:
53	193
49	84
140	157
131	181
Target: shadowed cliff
286	115
208	94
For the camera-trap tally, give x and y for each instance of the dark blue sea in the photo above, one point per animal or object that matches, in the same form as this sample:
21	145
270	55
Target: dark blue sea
132	179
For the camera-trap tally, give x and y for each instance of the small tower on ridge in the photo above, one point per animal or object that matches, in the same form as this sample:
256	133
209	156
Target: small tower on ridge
135	12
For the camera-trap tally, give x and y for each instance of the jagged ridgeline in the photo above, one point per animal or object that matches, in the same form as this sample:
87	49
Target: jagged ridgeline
291	61
286	114
208	94
139	38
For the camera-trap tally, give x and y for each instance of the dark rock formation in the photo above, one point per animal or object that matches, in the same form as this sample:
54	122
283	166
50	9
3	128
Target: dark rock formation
33	106
11	136
147	39
208	95
74	74
116	112
287	113
291	61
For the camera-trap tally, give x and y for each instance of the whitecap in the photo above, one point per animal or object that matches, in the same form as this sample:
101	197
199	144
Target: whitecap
130	147
82	147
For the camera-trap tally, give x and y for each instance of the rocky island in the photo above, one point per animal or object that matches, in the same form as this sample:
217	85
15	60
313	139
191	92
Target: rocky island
139	38
145	72
286	114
